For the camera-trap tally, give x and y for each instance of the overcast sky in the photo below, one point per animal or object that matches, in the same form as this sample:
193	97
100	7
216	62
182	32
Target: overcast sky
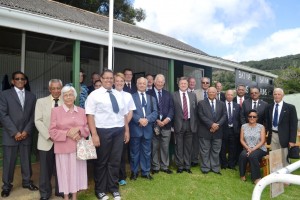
238	30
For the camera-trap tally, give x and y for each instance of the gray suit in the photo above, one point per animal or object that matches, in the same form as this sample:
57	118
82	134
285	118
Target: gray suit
15	119
184	130
210	143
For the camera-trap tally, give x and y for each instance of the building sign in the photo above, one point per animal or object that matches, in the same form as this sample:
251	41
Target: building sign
263	83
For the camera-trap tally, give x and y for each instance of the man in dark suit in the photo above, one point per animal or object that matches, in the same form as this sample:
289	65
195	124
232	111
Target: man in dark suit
185	125
240	95
231	131
212	113
95	77
162	127
220	94
141	130
17	115
254	103
281	124
129	84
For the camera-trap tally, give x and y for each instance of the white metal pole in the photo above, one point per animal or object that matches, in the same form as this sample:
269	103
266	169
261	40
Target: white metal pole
110	33
23	52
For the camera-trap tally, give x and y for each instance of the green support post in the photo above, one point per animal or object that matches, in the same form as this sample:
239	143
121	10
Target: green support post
76	68
171	75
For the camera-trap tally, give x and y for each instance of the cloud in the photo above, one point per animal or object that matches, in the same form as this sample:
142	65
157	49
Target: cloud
225	23
280	43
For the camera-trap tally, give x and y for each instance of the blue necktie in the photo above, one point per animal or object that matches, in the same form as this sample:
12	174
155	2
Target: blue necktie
213	109
113	101
143	101
159	101
230	121
205	95
275	118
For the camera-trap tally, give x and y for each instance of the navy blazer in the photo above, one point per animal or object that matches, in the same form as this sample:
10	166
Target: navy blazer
206	119
235	118
135	129
287	124
167	108
14	119
131	90
261	111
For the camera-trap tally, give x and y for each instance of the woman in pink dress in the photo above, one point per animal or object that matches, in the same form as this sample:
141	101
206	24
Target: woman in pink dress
68	125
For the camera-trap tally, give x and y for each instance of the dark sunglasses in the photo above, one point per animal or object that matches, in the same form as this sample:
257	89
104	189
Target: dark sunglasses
250	116
205	82
19	79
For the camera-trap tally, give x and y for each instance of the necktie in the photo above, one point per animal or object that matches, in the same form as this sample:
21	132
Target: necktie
213	109
241	101
185	108
113	101
229	114
143	100
205	95
56	102
218	96
21	96
159	101
254	106
275	118
128	84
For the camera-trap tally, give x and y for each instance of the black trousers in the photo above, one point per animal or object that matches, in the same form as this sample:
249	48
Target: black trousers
122	172
228	143
9	163
107	165
254	158
47	170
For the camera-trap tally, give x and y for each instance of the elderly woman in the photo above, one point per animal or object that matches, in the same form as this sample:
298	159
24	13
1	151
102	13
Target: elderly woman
253	137
68	125
129	103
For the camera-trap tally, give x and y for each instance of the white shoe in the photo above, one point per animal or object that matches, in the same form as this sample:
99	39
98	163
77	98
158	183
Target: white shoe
116	196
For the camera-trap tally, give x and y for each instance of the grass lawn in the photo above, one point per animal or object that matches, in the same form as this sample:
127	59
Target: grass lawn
193	186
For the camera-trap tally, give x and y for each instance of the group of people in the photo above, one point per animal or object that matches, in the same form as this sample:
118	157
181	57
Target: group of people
135	120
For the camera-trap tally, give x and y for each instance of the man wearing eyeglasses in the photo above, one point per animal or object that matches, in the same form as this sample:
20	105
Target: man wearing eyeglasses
17	117
254	103
201	94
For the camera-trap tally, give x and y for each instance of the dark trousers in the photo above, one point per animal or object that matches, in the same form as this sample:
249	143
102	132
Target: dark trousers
228	143
9	162
107	165
254	158
122	172
47	170
140	153
239	149
196	150
183	146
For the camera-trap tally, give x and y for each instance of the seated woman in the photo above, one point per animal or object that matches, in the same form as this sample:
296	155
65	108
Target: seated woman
253	136
68	125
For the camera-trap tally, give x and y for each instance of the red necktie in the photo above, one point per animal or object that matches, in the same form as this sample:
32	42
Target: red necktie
185	108
241	102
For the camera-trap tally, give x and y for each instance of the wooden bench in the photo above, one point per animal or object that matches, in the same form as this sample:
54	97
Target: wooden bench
263	164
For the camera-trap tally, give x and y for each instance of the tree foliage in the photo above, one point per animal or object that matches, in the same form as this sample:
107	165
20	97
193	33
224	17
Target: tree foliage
123	9
289	80
225	77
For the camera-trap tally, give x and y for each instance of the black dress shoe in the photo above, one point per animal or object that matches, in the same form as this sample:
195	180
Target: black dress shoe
149	177
232	168
133	176
5	193
44	198
219	173
204	172
168	171
223	167
194	164
60	195
31	187
155	171
179	171
188	171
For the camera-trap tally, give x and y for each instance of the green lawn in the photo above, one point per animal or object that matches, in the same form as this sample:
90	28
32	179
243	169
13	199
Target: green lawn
193	186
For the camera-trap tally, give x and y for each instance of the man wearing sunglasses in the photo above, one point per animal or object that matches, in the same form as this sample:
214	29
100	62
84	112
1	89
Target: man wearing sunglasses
200	94
17	117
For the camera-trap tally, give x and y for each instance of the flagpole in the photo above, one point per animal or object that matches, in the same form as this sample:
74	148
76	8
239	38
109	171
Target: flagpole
110	34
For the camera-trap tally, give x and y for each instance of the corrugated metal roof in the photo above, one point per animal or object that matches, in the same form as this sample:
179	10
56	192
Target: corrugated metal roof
71	14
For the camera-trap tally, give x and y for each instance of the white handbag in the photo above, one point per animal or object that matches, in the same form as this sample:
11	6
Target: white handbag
86	149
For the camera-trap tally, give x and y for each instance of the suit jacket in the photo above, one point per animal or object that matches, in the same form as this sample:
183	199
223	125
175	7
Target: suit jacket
199	94
222	97
235	118
135	129
287	124
14	119
235	99
207	119
167	108
131	90
178	112
261	109
42	118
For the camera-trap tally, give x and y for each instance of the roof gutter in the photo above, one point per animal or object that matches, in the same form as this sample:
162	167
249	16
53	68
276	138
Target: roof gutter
50	26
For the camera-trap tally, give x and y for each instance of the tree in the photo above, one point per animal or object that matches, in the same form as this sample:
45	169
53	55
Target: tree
123	9
289	80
